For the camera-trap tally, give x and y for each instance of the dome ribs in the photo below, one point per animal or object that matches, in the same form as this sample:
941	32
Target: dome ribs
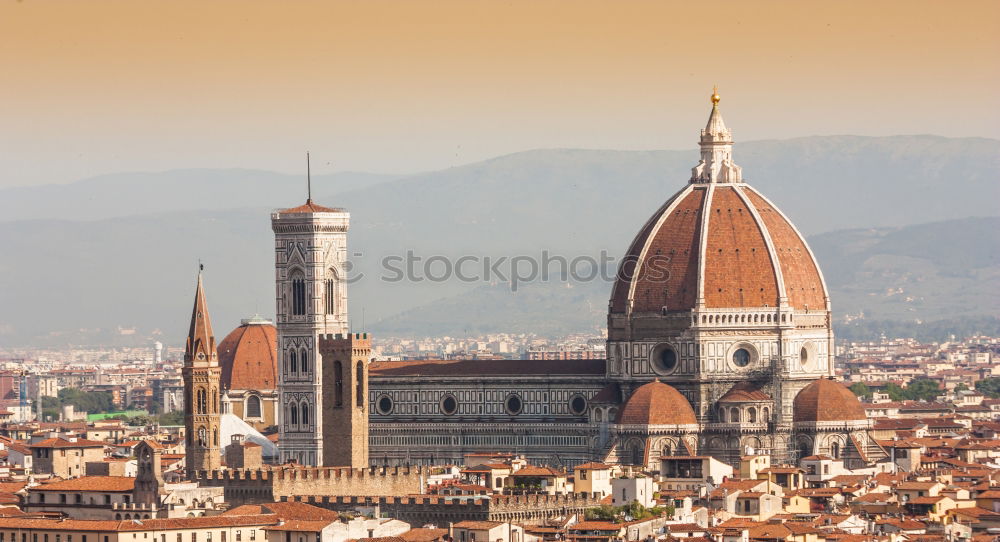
738	268
668	273
803	283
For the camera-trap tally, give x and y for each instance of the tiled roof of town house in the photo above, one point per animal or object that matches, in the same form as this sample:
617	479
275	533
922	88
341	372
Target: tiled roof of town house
827	401
478	367
203	522
285	510
59	442
592	466
89	483
310	207
248	357
656	403
531	470
423	534
477	525
299	525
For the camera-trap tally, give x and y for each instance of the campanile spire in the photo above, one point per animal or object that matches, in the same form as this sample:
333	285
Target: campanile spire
201	375
716	164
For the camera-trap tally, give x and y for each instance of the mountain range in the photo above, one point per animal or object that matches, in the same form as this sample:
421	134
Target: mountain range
888	218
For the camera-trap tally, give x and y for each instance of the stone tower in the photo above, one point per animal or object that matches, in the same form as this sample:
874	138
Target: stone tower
345	411
310	243
201	390
149	475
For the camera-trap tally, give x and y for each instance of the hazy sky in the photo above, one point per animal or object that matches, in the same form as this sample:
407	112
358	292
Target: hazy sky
92	87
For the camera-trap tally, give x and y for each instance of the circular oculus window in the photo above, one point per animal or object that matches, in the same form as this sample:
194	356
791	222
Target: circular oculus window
578	405
664	359
384	405
513	404
741	357
449	405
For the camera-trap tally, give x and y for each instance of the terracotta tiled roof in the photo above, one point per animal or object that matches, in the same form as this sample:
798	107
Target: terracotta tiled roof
478	525
592	466
310	207
423	535
744	392
285	510
476	367
656	403
299	525
89	483
204	522
531	470
59	442
661	267
826	401
248	358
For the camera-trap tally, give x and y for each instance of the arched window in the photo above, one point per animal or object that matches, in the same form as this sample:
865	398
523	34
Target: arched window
360	384
752	415
305	361
298	293
734	415
835	450
338	383
215	437
253	407
330	289
293	414
766	416
202	437
202	406
305	413
294	356
667	451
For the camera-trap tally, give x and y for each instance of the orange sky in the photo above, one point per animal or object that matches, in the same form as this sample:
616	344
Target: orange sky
92	87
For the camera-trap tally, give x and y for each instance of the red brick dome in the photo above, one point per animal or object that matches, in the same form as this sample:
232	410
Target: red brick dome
656	403
717	241
824	400
749	255
248	357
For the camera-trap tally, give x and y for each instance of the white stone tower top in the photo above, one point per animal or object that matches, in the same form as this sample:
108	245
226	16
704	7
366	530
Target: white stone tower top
716	164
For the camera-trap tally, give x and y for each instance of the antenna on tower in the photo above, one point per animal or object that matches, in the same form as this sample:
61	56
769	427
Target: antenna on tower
309	182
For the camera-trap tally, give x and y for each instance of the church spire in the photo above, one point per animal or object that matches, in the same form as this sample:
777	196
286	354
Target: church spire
201	341
716	165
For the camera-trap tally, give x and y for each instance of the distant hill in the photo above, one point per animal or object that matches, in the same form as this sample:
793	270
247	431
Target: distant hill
125	250
143	193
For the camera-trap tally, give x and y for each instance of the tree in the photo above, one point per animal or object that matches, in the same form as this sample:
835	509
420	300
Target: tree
861	389
923	389
172	418
989	387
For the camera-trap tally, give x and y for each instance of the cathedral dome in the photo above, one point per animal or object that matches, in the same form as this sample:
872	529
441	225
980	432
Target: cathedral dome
656	403
720	243
248	357
827	401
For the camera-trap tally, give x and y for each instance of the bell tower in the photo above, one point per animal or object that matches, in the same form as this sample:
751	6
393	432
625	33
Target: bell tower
310	258
201	390
345	410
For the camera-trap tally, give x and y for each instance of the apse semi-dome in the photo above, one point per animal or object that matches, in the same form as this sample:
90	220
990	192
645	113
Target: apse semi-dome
824	400
718	244
248	356
656	403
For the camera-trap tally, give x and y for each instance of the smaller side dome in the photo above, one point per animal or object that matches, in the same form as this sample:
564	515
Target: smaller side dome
248	357
744	392
657	403
824	400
